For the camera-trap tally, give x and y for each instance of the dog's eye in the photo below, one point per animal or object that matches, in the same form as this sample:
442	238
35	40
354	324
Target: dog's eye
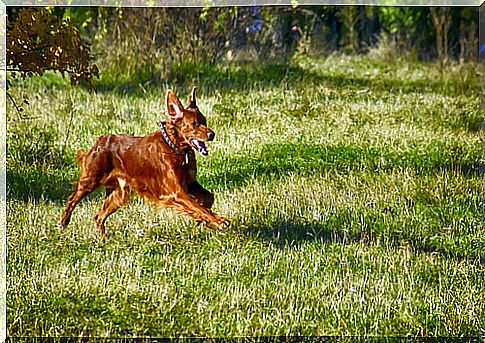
194	123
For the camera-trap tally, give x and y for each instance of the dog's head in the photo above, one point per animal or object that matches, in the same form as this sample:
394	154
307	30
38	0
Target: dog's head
190	122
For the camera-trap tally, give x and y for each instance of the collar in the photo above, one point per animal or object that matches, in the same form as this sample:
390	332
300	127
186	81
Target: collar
170	143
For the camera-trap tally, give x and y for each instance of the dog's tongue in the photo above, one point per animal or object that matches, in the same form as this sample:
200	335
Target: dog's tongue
200	146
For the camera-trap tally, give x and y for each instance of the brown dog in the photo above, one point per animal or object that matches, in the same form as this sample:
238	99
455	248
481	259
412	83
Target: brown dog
160	167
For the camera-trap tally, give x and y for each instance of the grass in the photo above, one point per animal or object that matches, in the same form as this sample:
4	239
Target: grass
352	187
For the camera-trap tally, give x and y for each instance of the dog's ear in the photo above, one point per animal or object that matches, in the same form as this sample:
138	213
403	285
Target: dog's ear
192	103
173	107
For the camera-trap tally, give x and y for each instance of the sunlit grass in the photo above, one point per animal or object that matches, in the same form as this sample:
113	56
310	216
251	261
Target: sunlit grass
352	187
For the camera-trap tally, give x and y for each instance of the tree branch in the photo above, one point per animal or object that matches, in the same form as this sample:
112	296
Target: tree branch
18	108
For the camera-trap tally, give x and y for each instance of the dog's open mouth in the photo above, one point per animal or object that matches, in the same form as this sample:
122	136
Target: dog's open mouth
199	146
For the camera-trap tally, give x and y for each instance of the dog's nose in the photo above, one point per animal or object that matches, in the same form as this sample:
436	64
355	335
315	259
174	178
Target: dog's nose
211	135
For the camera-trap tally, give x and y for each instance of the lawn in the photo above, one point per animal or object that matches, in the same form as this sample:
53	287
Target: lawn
352	187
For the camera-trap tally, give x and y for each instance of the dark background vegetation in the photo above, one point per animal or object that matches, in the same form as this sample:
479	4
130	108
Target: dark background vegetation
164	44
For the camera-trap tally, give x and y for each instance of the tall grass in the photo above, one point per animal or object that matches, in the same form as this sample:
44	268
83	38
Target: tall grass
352	186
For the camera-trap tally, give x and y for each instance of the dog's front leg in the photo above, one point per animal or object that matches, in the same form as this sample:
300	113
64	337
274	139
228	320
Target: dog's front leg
202	195
183	203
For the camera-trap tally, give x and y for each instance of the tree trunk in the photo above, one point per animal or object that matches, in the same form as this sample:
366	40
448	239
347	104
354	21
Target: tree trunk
441	19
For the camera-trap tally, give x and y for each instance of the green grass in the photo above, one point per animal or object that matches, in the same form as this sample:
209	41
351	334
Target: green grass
352	187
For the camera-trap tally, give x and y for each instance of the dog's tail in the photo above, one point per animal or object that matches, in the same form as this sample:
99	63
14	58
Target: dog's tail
80	156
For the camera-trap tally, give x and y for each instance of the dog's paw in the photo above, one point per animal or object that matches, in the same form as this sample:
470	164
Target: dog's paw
223	223
226	224
220	224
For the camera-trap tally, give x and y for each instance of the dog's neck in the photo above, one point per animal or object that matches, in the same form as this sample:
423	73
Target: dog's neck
179	144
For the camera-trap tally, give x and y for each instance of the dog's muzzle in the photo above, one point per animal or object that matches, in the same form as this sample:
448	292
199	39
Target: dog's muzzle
200	147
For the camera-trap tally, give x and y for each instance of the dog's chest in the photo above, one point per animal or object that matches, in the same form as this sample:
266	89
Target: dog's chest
187	170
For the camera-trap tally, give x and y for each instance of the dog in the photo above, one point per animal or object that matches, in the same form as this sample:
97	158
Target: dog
160	167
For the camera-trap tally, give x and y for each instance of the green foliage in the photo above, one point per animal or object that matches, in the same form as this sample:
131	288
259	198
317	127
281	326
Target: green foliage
92	22
400	19
38	41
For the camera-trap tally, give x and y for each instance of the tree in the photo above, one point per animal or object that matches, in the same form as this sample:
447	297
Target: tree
38	40
442	20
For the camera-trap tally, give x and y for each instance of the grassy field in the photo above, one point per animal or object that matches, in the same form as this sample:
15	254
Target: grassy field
352	186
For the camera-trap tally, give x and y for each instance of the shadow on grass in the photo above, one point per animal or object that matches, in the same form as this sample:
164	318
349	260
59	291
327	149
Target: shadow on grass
37	165
288	233
237	76
277	160
243	76
43	184
37	184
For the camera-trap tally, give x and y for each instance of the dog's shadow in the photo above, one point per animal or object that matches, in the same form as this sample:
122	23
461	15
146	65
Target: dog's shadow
286	233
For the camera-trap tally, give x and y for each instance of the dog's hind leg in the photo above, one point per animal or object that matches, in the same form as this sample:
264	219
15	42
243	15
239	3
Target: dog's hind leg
83	188
115	198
